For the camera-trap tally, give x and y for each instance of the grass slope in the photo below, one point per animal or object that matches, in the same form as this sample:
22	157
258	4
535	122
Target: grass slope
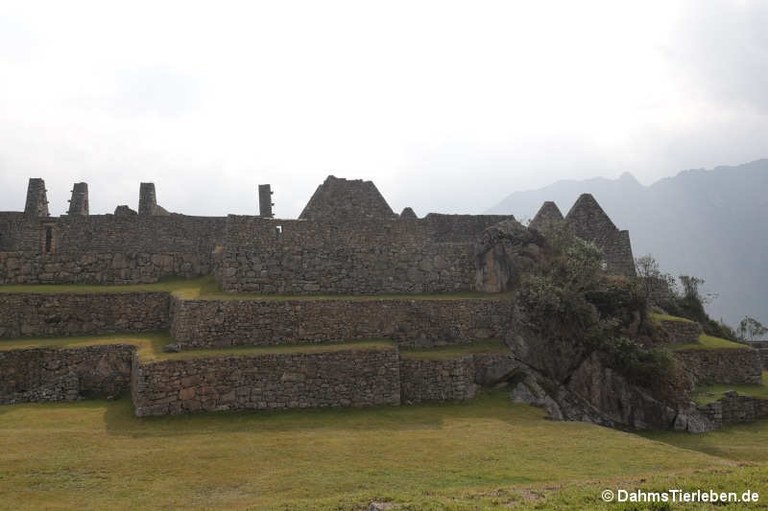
708	342
487	454
150	346
206	288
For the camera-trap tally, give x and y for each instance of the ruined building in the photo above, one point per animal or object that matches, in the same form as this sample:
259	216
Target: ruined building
347	240
391	285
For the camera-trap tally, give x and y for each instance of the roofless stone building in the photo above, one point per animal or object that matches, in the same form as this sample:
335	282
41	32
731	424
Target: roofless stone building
389	284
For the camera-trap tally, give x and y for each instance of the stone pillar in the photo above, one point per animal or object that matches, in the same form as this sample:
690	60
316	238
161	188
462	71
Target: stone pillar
37	200
147	199
78	204
265	201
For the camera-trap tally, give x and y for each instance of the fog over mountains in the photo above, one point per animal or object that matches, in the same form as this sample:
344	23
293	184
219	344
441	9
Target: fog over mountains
706	223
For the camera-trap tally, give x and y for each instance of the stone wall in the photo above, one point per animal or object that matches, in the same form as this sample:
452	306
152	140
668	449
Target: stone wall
355	377
762	348
728	366
733	408
422	322
106	249
681	332
46	374
368	256
590	222
437	380
99	268
67	314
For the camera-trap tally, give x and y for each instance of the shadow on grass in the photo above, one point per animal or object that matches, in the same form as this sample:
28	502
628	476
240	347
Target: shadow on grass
741	442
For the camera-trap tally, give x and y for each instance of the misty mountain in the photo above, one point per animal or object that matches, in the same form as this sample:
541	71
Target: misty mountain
706	223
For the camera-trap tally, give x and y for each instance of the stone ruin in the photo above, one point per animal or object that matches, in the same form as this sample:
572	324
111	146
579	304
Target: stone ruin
409	276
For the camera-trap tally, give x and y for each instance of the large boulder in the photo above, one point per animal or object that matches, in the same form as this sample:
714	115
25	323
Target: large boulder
503	253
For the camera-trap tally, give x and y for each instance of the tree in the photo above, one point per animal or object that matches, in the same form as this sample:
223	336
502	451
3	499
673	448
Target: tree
750	328
656	285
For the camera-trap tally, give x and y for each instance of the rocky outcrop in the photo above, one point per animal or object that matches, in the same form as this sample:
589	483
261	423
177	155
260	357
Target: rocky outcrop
504	252
598	394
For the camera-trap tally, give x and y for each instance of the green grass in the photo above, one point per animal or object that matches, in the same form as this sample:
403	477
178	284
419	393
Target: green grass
206	288
710	393
486	454
192	286
457	351
708	342
658	317
150	346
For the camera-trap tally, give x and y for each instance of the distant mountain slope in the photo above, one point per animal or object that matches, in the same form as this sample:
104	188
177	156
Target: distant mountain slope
709	223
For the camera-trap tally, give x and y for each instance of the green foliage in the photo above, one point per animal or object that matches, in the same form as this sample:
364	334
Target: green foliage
709	342
690	305
751	329
647	367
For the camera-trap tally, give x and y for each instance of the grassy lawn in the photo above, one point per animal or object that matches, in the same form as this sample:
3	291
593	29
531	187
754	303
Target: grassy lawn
486	454
150	346
712	393
203	284
206	288
658	317
708	342
461	350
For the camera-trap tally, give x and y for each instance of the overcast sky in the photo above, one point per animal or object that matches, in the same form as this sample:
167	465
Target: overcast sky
446	106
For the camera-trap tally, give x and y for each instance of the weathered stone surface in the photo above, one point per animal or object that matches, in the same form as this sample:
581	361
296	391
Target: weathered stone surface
422	322
733	408
42	374
66	314
503	253
681	332
362	256
355	377
344	199
729	366
591	223
549	217
124	210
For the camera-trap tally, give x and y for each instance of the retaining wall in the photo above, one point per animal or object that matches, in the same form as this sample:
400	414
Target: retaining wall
734	408
729	366
356	378
67	314
423	322
48	374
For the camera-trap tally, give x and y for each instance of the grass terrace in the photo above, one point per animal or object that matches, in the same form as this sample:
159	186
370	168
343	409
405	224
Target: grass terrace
658	318
710	393
450	352
708	342
206	288
150	346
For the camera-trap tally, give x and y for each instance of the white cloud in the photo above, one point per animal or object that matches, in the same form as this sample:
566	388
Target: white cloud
445	105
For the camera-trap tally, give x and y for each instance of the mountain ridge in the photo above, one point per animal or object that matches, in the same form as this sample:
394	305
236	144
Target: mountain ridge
704	222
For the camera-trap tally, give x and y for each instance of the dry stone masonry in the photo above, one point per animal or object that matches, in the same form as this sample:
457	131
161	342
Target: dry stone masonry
347	245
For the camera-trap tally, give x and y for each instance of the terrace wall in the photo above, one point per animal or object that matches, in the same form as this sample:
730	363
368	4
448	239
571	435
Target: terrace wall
48	374
422	322
67	314
729	366
350	378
